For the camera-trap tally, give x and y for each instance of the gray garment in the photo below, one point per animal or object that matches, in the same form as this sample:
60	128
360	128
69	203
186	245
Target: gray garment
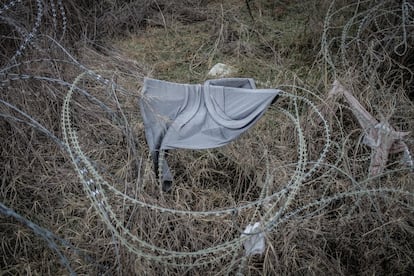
199	116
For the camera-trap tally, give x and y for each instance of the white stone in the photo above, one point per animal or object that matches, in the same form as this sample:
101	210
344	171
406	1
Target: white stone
221	70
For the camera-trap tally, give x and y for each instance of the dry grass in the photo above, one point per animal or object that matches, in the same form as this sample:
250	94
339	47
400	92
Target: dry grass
323	214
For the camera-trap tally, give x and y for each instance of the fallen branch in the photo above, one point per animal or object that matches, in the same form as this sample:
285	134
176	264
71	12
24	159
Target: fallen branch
380	136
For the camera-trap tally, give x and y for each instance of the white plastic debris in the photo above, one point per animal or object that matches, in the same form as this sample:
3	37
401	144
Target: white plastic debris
255	244
221	70
408	159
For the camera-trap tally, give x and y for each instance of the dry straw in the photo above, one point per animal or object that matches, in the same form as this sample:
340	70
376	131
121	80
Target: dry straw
309	181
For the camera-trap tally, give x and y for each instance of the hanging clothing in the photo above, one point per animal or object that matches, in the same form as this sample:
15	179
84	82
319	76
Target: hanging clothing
199	116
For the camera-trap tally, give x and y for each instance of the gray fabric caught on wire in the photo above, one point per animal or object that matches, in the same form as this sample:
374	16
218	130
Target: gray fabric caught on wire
199	116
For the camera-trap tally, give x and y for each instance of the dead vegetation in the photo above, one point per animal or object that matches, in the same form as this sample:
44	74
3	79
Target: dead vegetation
71	74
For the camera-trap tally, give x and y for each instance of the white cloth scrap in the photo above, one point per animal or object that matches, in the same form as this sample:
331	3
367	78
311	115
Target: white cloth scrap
255	243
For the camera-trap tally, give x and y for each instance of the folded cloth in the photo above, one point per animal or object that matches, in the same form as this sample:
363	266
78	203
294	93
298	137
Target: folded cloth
196	116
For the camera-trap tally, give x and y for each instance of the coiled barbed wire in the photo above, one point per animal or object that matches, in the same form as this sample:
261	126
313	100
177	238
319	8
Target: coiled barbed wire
45	234
28	37
9	5
96	188
32	33
372	26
